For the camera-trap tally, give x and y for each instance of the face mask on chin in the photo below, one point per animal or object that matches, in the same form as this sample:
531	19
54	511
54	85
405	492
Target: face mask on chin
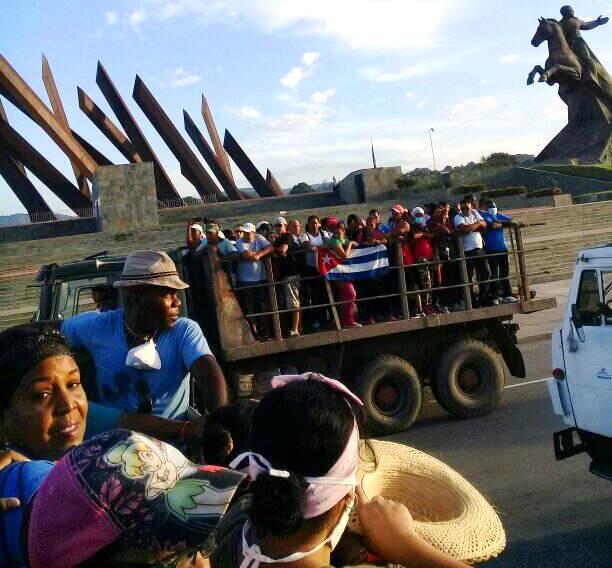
253	557
144	356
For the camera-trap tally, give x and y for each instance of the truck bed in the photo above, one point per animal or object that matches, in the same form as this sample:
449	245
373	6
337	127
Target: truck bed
325	338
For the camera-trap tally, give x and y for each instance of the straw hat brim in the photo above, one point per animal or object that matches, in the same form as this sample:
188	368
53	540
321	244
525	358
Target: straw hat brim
173	282
448	512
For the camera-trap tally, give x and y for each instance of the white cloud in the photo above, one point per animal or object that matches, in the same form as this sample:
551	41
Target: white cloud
182	78
379	76
310	57
362	25
473	106
321	97
409	95
509	59
135	18
292	78
111	18
249	112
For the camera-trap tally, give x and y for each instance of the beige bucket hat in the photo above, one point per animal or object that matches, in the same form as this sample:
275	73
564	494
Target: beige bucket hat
448	512
150	268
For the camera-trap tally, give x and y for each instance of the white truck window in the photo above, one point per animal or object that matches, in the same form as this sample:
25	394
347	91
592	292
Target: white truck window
588	299
606	280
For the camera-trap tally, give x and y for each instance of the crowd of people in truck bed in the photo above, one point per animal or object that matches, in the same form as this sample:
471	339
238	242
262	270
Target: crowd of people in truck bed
427	238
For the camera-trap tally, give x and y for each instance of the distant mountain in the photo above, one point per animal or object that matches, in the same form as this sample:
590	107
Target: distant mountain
24	219
12	220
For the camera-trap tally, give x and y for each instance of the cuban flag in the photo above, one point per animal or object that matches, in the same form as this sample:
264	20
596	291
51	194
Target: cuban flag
363	262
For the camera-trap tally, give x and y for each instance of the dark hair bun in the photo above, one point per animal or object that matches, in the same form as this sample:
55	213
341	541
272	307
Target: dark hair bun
277	504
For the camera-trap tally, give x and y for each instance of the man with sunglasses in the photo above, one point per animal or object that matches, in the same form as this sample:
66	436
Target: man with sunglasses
287	248
470	224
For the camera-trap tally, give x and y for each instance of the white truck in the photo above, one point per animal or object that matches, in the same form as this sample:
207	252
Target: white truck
581	386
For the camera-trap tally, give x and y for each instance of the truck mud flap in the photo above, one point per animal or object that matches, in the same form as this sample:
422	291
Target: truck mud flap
565	444
507	345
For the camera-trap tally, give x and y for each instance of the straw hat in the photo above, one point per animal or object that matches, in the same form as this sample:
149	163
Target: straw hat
150	268
449	513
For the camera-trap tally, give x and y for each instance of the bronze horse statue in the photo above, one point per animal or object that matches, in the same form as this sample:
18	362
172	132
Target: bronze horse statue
562	64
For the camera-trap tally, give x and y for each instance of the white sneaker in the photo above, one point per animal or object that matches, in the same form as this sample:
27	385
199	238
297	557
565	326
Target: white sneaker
495	302
509	300
294	333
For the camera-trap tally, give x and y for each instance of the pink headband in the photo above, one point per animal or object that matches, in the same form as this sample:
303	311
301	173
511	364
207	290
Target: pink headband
323	492
282	380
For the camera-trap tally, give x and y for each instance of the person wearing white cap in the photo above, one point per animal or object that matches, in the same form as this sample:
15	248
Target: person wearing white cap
144	352
251	274
194	234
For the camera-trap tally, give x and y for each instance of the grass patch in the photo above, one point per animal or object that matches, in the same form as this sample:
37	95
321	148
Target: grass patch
601	173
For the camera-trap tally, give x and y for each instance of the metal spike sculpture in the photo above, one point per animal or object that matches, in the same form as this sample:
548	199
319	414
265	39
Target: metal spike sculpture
259	184
19	148
165	187
19	90
60	115
191	167
211	158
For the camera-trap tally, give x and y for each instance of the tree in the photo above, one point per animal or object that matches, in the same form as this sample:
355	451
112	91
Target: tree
499	160
300	188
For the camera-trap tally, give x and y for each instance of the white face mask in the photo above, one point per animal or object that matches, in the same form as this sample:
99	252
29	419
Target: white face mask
144	356
253	556
492	211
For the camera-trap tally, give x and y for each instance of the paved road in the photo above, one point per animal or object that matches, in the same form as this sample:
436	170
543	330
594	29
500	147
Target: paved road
556	514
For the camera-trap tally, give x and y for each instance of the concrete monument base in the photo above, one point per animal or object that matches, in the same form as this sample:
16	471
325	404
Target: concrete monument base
125	198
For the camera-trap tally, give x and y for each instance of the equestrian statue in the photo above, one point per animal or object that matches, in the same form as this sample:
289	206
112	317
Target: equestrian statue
584	86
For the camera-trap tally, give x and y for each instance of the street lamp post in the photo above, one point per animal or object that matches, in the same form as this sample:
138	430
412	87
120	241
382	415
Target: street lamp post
432	149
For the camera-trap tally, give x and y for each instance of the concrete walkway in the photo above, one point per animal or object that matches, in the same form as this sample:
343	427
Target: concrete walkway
540	325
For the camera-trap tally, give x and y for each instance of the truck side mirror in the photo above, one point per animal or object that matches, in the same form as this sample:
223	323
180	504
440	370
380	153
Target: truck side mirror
577	323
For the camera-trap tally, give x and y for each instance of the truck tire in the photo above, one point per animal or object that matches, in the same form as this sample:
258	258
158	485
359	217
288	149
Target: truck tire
469	380
391	393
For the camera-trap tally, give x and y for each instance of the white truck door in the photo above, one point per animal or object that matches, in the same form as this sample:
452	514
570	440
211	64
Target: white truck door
588	363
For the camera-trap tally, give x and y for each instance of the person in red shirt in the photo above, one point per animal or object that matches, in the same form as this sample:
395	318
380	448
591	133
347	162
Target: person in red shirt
423	252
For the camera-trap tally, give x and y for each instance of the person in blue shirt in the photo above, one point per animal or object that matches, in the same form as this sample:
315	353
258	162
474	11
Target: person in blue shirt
495	244
215	237
143	353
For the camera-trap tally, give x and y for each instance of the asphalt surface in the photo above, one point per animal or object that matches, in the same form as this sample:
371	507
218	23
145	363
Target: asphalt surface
555	513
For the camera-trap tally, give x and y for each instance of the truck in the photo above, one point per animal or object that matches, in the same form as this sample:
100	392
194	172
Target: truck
460	355
581	385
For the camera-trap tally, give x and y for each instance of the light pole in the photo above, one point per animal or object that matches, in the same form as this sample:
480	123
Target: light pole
432	150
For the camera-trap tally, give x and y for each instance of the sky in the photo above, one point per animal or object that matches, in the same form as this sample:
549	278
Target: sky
302	85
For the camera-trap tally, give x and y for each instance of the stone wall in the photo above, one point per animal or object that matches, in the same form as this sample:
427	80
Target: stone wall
251	208
48	230
370	184
125	198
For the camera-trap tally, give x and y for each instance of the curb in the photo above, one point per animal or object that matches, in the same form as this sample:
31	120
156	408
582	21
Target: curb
535	337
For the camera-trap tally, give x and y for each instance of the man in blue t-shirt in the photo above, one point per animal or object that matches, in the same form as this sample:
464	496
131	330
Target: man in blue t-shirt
143	353
252	272
495	244
215	237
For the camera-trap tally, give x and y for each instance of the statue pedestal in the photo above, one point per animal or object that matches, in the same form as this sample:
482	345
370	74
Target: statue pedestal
587	137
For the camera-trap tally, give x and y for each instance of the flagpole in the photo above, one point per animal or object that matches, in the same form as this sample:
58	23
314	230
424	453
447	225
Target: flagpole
432	150
373	156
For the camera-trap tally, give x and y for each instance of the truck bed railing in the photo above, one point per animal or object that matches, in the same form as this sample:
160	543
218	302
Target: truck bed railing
403	291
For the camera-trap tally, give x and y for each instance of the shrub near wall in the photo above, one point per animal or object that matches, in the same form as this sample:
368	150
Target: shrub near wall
469	188
546	192
504	191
